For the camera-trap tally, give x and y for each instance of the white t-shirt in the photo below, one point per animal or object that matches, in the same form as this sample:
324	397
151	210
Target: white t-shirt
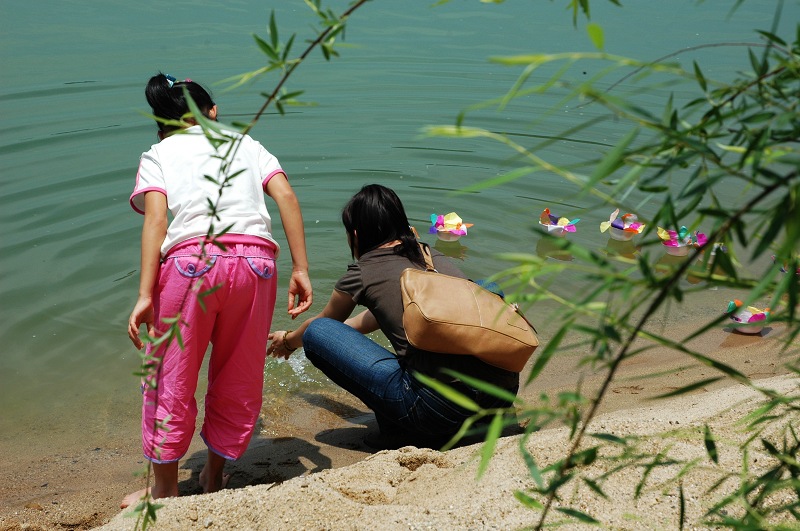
177	167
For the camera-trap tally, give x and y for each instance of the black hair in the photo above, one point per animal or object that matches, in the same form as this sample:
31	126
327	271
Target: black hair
168	101
375	216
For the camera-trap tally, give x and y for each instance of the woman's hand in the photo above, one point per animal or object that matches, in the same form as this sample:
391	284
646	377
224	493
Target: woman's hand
280	348
142	314
284	342
299	288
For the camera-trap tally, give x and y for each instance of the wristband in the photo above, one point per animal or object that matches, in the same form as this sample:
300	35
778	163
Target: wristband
286	343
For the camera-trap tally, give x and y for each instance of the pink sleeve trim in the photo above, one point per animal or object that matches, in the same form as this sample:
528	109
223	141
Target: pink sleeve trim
270	176
137	193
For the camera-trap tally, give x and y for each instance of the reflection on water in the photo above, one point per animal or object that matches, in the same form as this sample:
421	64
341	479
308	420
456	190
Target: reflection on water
625	249
694	273
550	247
454	249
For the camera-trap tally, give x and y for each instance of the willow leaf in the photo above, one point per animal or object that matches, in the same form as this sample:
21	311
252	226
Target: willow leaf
527	501
595	487
493	433
578	515
548	351
595	32
486	387
613	159
448	392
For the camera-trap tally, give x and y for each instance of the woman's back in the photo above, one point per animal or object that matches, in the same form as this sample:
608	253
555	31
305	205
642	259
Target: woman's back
374	282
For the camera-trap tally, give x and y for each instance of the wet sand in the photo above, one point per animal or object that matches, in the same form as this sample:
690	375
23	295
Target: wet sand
80	487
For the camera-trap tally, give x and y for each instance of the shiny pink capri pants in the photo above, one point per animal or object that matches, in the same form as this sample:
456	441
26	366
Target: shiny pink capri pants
235	318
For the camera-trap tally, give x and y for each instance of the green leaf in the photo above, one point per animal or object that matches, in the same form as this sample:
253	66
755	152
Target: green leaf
465	427
266	48
291	95
613	159
772	37
595	32
578	515
776	224
759	67
701	79
203	294
485	387
758	117
609	437
584	457
655	189
697	196
493	433
527	501
448	392
595	487
273	31
548	351
287	48
530	462
723	261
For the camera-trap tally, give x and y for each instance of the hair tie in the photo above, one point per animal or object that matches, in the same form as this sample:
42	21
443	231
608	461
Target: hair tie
170	80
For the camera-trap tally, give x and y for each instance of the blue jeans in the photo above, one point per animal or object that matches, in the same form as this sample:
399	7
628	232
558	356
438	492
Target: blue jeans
402	405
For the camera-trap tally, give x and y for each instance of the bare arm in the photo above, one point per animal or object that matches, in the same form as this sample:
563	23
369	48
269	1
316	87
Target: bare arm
300	292
364	322
339	307
154	230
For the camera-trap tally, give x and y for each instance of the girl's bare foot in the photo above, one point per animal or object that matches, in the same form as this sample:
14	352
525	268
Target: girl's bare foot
212	478
207	485
133	498
165	484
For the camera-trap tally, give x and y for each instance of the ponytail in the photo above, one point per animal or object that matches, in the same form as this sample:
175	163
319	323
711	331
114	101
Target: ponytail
167	98
409	247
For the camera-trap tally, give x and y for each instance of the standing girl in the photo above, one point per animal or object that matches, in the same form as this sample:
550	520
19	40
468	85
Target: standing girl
236	270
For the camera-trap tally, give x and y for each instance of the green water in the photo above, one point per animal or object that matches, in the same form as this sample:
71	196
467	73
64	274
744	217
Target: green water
71	102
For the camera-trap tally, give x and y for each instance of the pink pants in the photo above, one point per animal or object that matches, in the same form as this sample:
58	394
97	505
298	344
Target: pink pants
235	318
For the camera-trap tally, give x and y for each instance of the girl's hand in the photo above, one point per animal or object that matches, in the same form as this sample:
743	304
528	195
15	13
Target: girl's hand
142	313
279	348
300	288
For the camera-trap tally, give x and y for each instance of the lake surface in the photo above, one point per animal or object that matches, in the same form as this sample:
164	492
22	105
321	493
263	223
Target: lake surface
74	125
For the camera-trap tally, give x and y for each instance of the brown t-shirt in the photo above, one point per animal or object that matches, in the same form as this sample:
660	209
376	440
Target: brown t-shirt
374	281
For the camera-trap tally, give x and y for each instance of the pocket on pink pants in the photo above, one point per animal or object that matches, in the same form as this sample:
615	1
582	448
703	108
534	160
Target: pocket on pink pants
263	267
192	266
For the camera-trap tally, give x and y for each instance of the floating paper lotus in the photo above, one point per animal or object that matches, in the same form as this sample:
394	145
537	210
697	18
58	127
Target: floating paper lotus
751	315
678	243
448	228
555	225
622	228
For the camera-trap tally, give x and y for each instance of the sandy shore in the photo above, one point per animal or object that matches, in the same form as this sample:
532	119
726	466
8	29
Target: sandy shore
310	470
413	488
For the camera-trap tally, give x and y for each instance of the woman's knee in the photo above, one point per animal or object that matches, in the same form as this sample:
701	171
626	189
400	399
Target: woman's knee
316	330
318	337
